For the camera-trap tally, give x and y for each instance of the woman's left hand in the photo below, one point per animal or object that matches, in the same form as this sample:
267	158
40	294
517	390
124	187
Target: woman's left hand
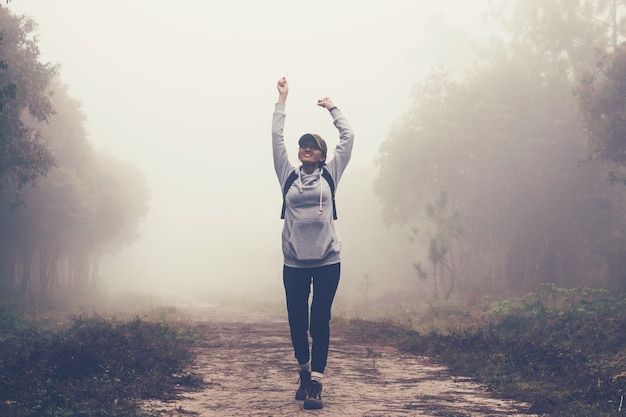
325	102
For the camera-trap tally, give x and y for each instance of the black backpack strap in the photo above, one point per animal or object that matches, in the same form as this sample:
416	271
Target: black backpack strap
292	177
331	183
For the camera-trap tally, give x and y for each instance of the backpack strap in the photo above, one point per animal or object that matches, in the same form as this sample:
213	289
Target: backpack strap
292	177
331	184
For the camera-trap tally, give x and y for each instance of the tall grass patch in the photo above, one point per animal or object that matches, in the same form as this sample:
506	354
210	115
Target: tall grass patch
89	366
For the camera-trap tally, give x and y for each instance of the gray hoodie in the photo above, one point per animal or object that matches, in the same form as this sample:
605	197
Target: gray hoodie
309	235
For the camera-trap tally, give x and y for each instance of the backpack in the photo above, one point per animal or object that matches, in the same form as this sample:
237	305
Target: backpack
292	177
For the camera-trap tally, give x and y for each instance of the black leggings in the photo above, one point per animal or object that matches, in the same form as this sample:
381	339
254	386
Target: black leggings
297	283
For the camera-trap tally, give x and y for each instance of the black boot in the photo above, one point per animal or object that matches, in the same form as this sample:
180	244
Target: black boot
305	377
313	400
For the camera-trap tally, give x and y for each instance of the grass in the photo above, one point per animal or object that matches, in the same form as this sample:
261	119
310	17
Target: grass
90	366
562	351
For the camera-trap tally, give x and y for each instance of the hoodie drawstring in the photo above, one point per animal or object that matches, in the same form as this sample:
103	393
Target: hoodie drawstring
320	181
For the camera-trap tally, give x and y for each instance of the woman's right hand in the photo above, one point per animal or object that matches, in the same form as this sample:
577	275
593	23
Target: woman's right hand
283	89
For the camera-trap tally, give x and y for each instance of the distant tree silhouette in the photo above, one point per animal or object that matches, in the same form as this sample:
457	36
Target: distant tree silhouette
24	89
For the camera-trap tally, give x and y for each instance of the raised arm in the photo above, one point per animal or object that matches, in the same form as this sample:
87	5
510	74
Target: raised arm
281	160
343	150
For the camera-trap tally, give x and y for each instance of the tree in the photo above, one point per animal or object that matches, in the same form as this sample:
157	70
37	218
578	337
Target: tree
89	203
52	236
602	100
503	145
24	88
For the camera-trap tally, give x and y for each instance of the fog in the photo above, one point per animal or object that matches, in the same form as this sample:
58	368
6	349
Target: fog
185	91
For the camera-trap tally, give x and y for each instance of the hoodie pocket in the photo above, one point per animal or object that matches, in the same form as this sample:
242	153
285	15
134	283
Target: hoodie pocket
311	240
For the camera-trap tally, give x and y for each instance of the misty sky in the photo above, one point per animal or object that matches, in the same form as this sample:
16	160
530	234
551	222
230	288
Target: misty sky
185	91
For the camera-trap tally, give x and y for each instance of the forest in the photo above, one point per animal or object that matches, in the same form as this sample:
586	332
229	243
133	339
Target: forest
514	176
62	204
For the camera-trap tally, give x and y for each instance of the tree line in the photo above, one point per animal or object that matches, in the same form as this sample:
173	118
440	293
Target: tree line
507	178
62	203
513	175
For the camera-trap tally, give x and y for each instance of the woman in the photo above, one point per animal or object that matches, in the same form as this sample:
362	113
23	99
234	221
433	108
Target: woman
311	245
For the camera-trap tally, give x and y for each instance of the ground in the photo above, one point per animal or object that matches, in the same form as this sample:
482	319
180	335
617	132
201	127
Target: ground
247	363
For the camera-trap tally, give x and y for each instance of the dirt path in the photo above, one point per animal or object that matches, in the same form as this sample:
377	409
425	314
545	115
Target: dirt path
248	364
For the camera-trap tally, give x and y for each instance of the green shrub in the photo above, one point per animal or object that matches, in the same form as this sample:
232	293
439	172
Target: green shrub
93	367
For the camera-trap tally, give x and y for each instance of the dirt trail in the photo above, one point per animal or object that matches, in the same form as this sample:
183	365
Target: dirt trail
248	364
